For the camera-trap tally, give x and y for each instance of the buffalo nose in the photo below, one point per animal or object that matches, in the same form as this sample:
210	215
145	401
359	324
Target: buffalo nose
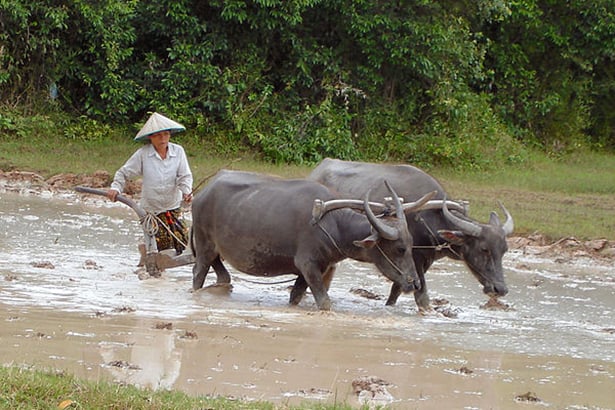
496	289
412	285
501	290
409	286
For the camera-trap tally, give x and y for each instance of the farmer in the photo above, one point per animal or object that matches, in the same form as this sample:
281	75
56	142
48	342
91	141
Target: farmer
167	180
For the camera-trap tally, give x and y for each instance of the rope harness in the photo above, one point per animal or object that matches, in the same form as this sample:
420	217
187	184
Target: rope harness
389	260
346	256
432	237
331	239
151	224
263	283
434	240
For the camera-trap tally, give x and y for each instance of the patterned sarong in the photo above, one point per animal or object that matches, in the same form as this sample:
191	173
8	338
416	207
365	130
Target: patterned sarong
171	220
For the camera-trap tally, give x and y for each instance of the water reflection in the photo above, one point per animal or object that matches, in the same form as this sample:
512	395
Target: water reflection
148	358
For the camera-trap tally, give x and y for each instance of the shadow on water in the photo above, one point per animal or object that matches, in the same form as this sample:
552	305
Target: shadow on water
71	300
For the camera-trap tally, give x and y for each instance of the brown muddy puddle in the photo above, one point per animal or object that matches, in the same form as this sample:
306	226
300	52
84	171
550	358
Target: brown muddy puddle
70	300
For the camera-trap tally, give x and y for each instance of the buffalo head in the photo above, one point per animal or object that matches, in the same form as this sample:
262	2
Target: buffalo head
482	247
389	246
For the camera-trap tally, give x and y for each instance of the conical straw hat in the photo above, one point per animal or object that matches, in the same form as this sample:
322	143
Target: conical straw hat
156	123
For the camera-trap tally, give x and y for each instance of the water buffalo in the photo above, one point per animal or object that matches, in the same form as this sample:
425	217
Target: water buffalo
436	232
263	226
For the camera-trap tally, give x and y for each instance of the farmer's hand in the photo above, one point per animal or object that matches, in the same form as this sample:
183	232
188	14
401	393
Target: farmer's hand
112	194
187	198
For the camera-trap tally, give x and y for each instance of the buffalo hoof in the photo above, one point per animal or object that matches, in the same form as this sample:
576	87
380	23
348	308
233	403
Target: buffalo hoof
296	296
426	310
324	304
218	289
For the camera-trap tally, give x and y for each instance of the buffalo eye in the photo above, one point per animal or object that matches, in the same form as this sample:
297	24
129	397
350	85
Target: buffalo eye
401	251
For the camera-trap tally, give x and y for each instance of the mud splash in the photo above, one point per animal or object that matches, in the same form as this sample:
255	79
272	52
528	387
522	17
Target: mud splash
71	300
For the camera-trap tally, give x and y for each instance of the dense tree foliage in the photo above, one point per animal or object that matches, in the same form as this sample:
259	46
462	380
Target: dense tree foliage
425	81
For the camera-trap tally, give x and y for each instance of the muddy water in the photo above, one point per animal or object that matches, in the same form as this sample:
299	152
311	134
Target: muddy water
70	300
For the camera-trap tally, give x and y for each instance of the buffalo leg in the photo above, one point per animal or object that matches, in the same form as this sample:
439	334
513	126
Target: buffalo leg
298	291
314	278
301	285
421	297
320	295
201	268
422	263
205	255
327	277
394	294
199	273
222	274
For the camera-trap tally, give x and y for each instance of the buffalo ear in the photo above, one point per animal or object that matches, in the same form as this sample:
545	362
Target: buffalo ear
368	242
454	237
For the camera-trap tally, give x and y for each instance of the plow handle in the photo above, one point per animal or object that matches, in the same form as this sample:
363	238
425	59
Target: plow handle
87	190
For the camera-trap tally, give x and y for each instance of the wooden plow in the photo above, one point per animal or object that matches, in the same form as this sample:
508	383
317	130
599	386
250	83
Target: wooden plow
155	262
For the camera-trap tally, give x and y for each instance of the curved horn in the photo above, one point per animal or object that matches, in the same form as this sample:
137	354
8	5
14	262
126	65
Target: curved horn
386	231
509	224
466	227
423	202
396	201
321	207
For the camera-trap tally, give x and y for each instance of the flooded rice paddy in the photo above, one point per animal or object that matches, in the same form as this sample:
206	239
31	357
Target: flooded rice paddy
70	299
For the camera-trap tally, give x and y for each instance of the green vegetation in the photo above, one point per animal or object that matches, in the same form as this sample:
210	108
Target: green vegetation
38	389
431	82
569	195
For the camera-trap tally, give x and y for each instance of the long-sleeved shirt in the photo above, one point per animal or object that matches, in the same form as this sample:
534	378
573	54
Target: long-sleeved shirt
164	180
